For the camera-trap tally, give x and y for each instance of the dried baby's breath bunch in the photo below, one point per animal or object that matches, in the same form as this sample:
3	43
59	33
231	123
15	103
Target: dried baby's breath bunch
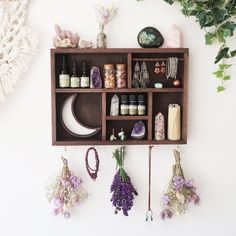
66	191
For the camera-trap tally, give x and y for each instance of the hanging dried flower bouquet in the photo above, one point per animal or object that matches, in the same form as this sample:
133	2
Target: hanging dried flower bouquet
122	189
179	194
66	191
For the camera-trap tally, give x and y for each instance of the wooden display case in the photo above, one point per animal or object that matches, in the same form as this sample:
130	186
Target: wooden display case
92	106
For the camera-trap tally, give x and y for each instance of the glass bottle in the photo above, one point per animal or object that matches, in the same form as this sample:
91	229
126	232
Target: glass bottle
133	108
84	80
64	77
141	105
124	107
109	76
121	76
75	79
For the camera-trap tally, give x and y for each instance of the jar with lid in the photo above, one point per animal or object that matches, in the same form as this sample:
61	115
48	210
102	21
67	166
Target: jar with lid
121	75
109	76
141	105
124	107
133	108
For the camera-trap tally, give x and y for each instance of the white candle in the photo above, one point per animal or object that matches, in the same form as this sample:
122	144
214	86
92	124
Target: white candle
174	122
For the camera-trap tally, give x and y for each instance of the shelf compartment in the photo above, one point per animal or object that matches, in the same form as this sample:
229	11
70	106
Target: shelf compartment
161	103
89	114
127	118
151	59
126	125
98	60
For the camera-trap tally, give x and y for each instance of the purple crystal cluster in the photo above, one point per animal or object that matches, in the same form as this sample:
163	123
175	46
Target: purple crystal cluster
95	75
122	193
139	130
180	193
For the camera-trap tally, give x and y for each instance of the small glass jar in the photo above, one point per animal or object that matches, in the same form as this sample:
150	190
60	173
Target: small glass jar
141	105
109	76
124	107
121	76
133	108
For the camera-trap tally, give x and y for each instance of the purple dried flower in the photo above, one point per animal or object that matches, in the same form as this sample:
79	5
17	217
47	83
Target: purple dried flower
189	183
166	214
165	200
197	200
106	14
178	182
122	193
74	181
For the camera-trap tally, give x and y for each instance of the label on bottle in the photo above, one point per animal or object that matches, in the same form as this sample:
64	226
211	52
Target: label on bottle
75	82
133	110
64	81
124	109
84	82
141	110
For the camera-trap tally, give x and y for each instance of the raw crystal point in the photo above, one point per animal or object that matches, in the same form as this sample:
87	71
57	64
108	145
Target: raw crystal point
174	37
159	127
65	38
114	106
95	78
139	130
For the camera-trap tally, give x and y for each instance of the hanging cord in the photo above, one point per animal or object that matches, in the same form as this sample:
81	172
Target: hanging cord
149	214
92	172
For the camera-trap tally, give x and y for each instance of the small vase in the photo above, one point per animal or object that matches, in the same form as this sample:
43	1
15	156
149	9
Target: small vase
101	39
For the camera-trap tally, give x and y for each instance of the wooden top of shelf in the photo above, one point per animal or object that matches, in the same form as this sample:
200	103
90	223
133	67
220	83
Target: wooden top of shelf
125	90
120	50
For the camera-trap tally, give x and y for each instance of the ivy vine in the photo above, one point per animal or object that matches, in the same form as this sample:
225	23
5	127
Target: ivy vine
218	19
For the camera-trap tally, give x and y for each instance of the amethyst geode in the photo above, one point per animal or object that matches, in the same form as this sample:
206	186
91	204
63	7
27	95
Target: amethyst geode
139	130
95	78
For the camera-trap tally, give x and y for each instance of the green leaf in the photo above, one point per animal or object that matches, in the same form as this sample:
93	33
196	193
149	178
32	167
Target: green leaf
219	74
219	14
223	53
228	26
220	89
169	1
233	53
227	77
209	37
224	66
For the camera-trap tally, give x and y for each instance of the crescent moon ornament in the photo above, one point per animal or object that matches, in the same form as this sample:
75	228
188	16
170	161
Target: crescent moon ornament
70	122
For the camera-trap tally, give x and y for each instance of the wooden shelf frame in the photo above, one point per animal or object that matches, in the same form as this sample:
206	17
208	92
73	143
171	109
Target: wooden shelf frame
130	55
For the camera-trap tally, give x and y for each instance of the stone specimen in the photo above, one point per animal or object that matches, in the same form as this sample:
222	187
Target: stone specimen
85	44
65	38
150	37
95	78
139	130
122	135
174	37
114	106
159	127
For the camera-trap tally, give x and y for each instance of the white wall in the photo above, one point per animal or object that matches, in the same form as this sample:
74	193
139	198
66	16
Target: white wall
28	159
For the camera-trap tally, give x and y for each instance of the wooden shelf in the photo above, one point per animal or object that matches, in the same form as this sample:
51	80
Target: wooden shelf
92	106
127	90
127	118
118	142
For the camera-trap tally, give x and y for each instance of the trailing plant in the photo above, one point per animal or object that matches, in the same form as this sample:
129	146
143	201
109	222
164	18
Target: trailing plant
217	18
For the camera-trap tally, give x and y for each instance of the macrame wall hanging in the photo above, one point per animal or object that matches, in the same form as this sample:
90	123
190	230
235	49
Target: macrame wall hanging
18	44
